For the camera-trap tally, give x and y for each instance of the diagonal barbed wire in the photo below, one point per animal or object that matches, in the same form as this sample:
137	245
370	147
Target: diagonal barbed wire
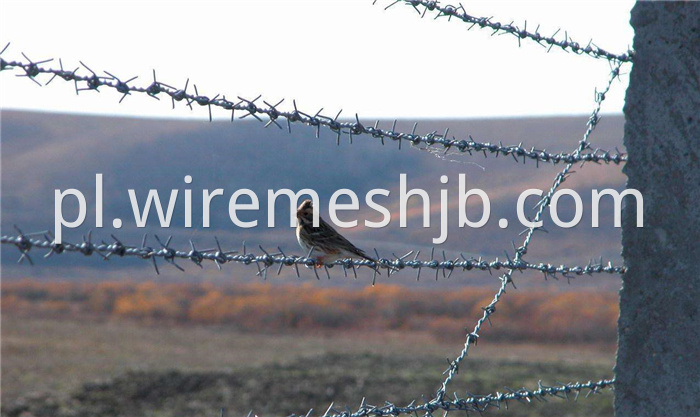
270	114
257	109
522	250
567	44
265	260
473	403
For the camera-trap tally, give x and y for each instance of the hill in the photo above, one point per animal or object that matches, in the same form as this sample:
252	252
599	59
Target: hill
43	152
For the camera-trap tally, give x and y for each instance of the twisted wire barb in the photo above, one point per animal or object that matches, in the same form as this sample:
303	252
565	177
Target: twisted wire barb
254	109
522	250
567	44
441	401
25	243
474	403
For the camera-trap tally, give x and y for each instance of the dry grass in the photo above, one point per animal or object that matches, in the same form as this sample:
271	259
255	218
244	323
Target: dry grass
539	316
187	349
50	355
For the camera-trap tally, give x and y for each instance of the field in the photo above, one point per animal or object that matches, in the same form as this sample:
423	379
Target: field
67	359
59	367
98	345
549	316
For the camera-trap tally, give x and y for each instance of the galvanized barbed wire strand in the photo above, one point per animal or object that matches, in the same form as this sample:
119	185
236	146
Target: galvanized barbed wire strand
251	108
472	403
94	82
24	242
522	250
567	44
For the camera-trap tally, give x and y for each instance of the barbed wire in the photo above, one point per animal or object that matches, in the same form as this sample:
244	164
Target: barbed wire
522	250
252	108
567	44
25	243
472	403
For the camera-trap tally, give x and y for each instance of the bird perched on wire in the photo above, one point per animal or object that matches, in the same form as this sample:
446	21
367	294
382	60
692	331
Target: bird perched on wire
327	243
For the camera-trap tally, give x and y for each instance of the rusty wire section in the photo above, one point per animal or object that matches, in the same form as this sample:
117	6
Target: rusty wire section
271	114
441	401
548	42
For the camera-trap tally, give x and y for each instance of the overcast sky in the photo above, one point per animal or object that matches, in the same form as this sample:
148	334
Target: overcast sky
334	54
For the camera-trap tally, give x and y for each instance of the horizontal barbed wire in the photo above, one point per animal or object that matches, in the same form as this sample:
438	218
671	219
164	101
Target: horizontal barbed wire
252	108
520	252
472	403
441	402
567	44
25	243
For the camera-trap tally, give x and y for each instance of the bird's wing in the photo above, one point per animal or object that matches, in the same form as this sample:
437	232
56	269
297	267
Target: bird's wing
330	241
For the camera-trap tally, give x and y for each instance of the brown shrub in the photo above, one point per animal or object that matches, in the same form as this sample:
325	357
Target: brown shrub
540	315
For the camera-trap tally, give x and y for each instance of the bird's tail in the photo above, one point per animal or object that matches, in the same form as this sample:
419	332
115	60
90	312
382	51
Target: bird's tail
376	267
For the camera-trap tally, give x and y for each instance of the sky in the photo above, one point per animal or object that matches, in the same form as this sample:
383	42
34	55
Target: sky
330	54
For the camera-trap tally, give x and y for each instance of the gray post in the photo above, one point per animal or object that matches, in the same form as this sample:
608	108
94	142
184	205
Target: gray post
658	357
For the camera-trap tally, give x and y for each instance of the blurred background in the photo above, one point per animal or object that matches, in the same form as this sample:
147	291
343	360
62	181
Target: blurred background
81	336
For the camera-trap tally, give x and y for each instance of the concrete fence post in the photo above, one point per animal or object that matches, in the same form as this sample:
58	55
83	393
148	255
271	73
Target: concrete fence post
658	359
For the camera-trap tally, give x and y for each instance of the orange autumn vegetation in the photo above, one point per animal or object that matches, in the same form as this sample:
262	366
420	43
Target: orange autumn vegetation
532	315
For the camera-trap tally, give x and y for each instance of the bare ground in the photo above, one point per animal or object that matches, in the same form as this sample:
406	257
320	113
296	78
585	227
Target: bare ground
61	367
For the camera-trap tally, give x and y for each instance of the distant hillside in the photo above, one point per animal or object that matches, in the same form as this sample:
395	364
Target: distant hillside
42	152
